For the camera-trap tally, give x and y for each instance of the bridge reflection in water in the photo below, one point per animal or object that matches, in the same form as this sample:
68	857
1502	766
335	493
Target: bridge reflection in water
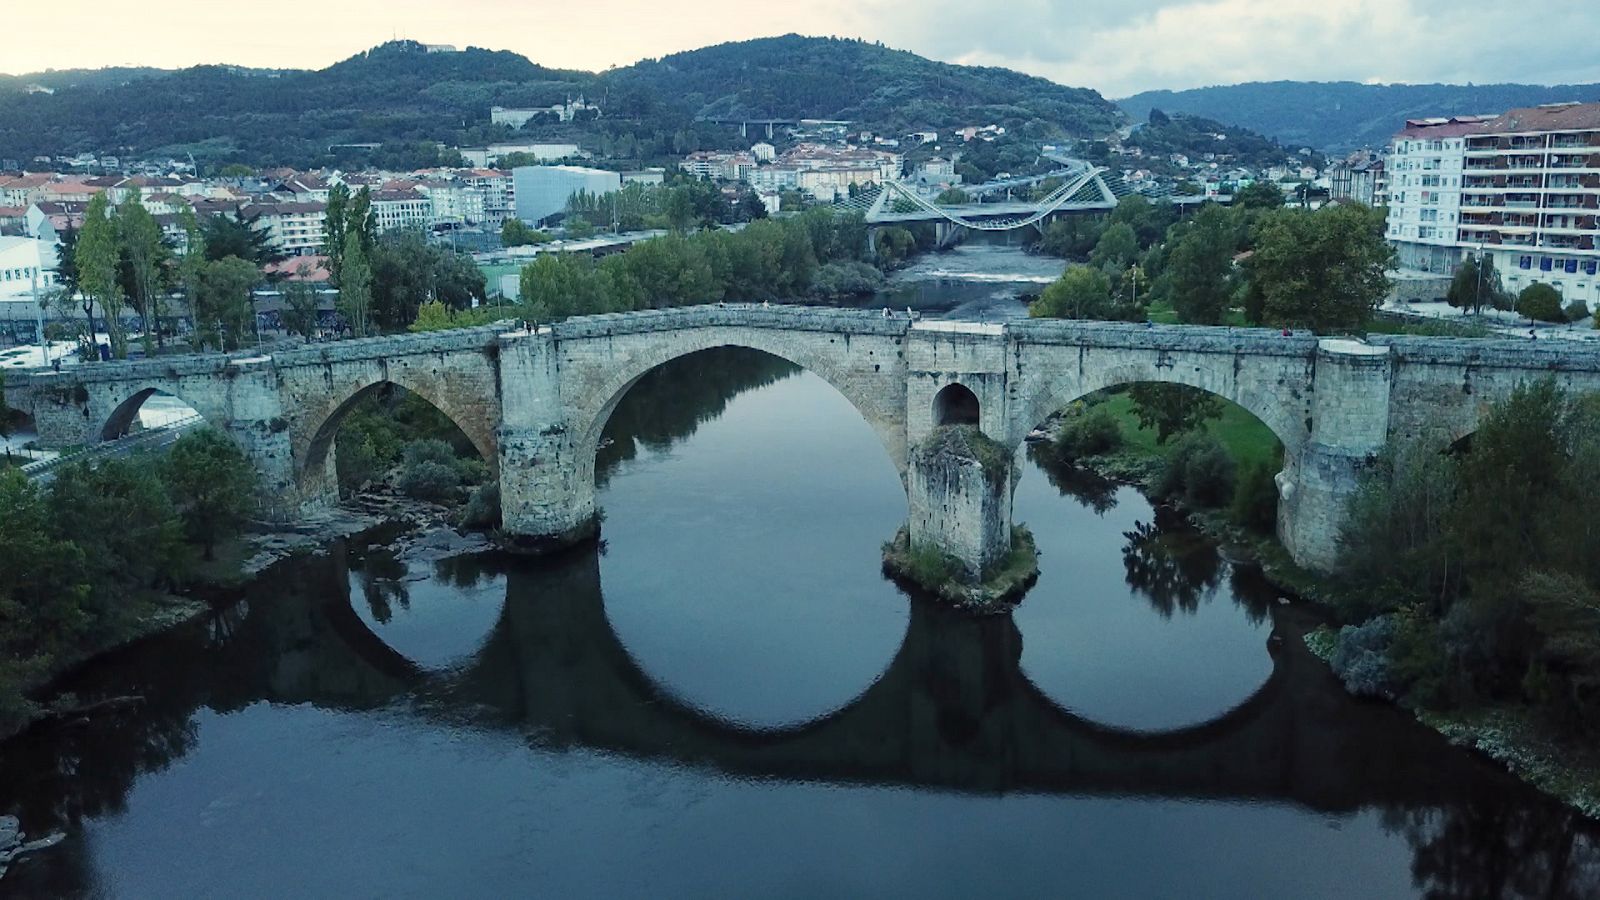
953	711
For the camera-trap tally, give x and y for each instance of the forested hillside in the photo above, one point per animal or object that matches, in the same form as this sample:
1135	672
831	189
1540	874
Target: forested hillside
890	90
400	94
394	92
1196	136
1340	116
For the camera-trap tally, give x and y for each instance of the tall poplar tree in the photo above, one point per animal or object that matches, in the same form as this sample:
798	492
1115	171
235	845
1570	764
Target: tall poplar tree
355	286
98	254
141	245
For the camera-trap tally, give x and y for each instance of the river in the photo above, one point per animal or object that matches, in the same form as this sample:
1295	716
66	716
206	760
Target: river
727	698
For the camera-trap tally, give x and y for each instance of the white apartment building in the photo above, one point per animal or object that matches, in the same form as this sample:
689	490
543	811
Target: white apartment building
497	191
1425	172
21	260
294	228
1526	192
400	209
452	203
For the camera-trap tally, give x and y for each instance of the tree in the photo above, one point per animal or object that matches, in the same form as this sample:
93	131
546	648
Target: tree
97	255
517	233
42	577
238	235
1172	409
212	486
951	197
1325	270
222	310
300	304
355	286
141	246
1541	302
191	266
1258	195
1476	283
1082	292
118	512
334	223
1198	268
578	228
751	209
1117	248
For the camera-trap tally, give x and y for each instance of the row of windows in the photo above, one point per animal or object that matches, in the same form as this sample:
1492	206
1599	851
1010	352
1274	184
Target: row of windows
26	274
1552	264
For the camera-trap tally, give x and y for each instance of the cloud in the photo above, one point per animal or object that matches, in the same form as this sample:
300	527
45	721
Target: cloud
1131	45
1115	46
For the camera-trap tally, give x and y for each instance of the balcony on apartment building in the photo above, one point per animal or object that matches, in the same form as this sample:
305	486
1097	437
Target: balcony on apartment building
1567	242
1571	141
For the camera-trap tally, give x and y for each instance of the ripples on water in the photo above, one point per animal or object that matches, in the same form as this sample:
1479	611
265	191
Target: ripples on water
731	700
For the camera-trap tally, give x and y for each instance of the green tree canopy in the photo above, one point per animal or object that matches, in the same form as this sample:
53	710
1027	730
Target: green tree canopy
1325	270
212	486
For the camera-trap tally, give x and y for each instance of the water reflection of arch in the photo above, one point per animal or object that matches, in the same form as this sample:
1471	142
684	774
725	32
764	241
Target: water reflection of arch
953	711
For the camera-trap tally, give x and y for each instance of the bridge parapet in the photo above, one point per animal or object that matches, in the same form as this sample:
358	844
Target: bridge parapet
1553	355
450	341
1138	336
741	315
139	370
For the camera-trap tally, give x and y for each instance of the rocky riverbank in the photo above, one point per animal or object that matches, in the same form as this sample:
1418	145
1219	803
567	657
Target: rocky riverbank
14	843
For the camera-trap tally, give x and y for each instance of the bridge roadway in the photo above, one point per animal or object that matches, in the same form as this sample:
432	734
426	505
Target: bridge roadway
534	402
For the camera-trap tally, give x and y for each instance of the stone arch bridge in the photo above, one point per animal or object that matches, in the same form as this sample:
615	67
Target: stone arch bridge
535	402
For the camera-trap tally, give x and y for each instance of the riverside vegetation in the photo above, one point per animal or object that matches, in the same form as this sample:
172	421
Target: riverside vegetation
1467	585
92	560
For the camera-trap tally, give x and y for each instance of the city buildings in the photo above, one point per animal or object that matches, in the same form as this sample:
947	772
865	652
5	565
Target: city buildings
21	260
1360	177
482	157
542	191
1522	188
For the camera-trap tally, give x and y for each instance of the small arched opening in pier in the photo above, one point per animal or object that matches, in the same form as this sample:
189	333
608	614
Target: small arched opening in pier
955	404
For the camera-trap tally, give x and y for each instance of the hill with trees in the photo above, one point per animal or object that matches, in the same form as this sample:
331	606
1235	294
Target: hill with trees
401	95
866	83
1340	116
1195	136
396	92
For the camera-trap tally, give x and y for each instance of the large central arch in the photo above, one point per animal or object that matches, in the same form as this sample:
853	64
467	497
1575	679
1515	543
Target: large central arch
876	389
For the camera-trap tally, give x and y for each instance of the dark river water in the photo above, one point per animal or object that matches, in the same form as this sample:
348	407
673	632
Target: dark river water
728	699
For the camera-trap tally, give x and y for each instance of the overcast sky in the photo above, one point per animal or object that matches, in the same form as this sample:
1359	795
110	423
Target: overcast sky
1115	46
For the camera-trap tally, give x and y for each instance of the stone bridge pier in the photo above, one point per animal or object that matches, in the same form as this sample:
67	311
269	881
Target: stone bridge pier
1349	427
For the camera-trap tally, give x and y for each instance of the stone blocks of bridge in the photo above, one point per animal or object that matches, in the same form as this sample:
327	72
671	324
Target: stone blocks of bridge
1350	427
959	484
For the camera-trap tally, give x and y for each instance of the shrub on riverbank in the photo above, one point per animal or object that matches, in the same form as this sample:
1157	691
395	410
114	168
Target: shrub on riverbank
1199	472
1491	559
430	470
